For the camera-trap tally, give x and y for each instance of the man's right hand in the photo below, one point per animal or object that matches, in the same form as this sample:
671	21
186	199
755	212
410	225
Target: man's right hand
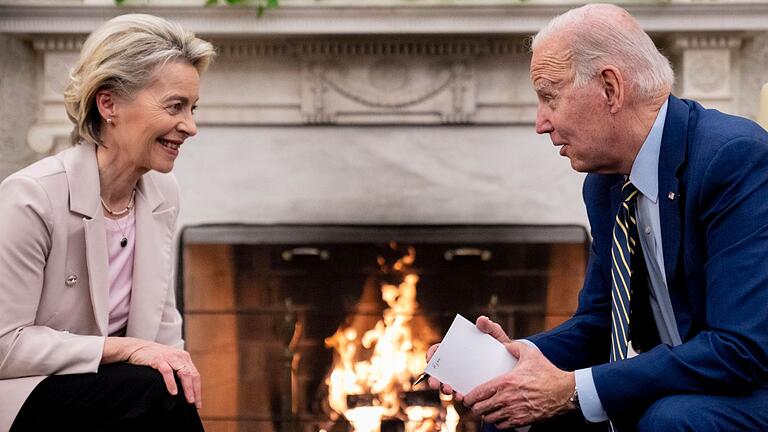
485	325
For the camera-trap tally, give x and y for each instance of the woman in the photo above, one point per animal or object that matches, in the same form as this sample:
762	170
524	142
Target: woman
90	337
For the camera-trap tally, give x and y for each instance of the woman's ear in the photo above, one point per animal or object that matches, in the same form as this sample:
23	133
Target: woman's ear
613	87
105	102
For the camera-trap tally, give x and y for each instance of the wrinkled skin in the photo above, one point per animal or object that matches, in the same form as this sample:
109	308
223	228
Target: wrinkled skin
534	390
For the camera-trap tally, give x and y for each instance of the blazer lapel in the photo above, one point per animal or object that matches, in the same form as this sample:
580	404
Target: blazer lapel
152	257
98	267
84	191
671	159
672	156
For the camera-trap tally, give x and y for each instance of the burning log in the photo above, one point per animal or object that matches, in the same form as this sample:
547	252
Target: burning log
422	398
392	425
362	400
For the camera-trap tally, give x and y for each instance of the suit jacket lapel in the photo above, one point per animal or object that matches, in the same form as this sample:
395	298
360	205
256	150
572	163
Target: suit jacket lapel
152	257
84	191
671	200
673	144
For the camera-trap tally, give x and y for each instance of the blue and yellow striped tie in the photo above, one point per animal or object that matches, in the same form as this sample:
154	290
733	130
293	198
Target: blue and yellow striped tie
625	242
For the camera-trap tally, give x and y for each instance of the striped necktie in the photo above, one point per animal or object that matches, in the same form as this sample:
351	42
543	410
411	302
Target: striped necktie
625	242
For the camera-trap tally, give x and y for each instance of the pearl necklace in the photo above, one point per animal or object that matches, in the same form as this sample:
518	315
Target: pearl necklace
123	211
124	240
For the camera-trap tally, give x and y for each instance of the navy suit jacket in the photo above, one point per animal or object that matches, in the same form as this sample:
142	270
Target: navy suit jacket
713	193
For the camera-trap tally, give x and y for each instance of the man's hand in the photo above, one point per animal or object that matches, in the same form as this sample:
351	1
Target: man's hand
166	360
485	325
434	383
535	390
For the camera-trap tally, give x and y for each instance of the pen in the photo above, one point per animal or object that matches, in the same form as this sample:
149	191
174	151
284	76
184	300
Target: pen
421	378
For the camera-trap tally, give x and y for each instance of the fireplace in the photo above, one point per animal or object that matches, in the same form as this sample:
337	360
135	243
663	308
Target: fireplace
273	313
374	114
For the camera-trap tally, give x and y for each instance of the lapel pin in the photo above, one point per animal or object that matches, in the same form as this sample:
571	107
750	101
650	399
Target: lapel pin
671	196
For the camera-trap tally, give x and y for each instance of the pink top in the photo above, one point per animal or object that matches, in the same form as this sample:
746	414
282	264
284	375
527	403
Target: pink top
120	269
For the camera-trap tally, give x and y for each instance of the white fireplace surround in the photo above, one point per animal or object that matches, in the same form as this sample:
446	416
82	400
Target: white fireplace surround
384	112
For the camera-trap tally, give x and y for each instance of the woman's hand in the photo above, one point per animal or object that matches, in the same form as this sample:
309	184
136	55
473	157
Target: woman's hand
163	358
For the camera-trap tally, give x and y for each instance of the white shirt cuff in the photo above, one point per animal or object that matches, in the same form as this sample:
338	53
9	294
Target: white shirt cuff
590	403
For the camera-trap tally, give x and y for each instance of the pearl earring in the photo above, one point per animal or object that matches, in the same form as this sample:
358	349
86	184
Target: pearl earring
109	120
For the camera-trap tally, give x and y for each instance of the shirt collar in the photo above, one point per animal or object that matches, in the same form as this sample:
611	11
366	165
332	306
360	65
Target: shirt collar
645	169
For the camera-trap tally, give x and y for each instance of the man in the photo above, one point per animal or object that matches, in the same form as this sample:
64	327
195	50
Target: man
677	199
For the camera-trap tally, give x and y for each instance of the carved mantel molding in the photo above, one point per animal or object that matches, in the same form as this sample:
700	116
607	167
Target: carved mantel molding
339	80
351	80
377	64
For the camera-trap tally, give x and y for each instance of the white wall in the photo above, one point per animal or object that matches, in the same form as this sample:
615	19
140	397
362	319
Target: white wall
441	174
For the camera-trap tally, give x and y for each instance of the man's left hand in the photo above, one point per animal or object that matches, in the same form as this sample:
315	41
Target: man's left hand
535	390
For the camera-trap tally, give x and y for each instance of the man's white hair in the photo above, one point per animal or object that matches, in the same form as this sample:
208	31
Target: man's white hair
603	34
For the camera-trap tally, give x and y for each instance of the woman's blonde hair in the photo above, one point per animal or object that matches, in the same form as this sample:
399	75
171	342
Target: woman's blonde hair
122	56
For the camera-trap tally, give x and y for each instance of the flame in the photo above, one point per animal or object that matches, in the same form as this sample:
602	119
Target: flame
451	417
384	361
421	418
365	419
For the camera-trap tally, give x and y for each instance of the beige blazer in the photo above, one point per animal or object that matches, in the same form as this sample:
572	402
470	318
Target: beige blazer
53	272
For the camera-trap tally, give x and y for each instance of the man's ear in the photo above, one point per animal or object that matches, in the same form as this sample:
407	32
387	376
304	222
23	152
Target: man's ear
613	87
105	102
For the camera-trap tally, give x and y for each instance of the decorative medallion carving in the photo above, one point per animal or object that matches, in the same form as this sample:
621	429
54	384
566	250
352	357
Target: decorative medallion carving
369	89
389	75
707	71
400	92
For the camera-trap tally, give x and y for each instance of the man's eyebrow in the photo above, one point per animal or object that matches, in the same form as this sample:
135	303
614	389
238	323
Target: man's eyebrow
543	86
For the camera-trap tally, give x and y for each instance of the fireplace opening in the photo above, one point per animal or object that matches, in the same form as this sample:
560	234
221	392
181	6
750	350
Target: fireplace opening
324	328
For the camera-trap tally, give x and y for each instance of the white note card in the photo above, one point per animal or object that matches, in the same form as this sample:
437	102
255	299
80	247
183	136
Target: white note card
468	357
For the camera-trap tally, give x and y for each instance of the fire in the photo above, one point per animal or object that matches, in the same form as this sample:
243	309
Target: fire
374	369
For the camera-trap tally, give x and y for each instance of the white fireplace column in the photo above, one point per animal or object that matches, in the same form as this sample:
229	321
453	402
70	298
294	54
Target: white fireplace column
707	71
52	130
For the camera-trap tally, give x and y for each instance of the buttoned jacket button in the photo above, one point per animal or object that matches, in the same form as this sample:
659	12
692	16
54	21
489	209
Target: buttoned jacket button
71	280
